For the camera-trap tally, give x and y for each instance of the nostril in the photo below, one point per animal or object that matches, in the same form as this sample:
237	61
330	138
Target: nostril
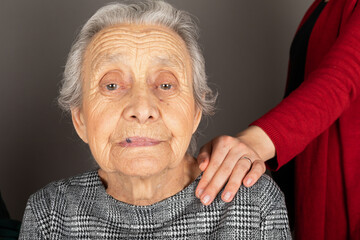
133	116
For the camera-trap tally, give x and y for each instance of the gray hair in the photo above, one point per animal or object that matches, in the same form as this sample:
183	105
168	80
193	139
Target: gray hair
149	12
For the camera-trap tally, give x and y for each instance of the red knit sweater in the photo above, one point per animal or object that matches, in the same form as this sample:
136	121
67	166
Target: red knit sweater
319	123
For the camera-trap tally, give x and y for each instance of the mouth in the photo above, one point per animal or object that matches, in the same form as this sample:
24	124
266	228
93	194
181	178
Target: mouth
139	142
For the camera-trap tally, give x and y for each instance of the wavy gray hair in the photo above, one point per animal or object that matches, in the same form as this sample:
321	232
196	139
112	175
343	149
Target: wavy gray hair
150	12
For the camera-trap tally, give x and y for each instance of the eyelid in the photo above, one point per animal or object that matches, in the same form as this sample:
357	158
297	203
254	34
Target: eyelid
168	72
115	77
165	77
173	78
112	71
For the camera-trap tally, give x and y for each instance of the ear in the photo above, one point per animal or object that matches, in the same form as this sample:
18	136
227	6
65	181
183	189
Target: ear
79	123
197	119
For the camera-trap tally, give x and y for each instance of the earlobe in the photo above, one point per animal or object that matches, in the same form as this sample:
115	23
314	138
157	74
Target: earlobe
79	123
197	119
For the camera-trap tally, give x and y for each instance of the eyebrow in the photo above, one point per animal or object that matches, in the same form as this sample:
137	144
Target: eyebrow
109	59
169	61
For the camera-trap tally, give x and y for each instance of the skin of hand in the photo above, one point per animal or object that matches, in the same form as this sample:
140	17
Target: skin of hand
138	112
223	162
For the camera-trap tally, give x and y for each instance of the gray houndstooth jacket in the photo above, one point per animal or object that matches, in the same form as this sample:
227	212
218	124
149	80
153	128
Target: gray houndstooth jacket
80	208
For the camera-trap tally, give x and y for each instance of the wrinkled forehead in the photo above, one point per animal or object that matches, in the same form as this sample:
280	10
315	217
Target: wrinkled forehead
133	43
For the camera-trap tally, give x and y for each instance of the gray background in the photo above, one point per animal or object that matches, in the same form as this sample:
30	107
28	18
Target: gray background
245	42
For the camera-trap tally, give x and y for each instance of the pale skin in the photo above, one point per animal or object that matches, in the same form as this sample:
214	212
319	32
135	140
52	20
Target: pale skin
223	163
138	112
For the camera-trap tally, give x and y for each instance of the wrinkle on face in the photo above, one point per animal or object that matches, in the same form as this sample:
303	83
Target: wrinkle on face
141	53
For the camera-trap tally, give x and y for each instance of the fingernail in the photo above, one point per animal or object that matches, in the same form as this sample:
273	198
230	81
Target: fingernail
249	181
201	166
200	192
227	196
206	199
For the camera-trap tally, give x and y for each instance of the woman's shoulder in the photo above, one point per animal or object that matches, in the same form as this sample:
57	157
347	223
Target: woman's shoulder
59	200
266	203
258	211
265	194
66	190
265	185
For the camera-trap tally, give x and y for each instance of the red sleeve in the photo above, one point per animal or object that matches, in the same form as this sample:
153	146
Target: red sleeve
320	100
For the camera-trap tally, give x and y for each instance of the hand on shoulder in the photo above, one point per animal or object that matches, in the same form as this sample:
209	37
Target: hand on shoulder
233	161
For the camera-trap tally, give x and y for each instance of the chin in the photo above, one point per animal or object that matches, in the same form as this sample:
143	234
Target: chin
141	166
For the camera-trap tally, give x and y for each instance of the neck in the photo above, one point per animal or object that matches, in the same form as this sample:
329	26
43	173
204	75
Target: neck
147	190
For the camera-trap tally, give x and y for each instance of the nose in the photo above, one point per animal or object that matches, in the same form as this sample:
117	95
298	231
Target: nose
141	108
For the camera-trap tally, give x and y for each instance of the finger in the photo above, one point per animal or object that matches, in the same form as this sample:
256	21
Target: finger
257	170
234	183
221	177
219	152
204	164
204	156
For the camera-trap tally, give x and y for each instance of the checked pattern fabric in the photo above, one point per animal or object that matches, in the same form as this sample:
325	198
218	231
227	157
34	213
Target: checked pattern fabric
80	208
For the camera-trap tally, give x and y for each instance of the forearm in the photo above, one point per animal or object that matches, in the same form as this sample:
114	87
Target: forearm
259	141
328	90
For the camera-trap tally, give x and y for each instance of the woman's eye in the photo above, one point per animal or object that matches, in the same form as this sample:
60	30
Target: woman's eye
165	86
111	86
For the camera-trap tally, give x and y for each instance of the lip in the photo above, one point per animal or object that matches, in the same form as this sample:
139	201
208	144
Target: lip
139	142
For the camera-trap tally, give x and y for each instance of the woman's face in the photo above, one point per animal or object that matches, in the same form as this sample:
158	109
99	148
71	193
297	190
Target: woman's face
138	111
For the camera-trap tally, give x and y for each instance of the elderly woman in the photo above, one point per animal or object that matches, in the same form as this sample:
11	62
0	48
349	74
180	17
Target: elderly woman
136	87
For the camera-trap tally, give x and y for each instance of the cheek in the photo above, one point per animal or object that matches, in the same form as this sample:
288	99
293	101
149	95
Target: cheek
178	116
101	120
